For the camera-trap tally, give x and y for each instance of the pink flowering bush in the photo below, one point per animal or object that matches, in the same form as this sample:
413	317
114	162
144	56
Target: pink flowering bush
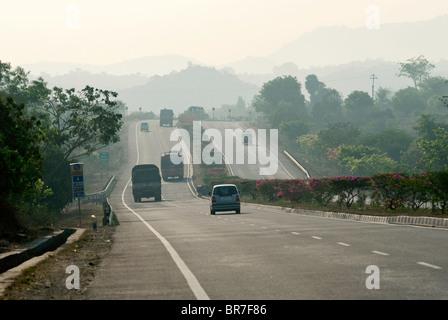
388	190
322	191
295	190
268	188
349	188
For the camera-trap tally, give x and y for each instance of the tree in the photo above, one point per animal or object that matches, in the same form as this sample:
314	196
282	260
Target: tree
435	152
358	104
280	100
328	110
408	101
338	134
358	100
313	86
79	123
21	163
365	160
295	128
425	127
391	141
417	69
383	98
15	83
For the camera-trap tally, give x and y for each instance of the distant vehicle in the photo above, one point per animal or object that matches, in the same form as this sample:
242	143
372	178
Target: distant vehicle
193	113
225	197
247	138
169	169
146	182
144	126
166	117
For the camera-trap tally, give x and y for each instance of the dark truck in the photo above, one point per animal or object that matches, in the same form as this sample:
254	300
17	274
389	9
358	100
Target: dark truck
166	117
169	169
146	182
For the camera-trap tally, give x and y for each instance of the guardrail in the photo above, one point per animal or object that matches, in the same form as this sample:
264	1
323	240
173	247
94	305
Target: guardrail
297	164
98	197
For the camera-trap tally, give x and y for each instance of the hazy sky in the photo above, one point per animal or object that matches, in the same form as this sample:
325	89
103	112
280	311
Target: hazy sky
211	31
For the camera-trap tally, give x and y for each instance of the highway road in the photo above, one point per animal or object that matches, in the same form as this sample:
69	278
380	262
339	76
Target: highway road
176	250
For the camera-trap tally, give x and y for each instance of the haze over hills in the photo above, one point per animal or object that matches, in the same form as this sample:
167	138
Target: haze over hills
343	58
330	46
194	86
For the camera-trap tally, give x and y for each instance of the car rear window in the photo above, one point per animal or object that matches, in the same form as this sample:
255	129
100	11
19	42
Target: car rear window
226	191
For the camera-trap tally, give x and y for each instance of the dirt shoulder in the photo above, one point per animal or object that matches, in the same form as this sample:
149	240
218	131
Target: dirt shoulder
47	279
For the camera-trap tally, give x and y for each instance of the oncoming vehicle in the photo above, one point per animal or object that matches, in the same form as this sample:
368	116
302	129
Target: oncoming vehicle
144	126
169	169
225	197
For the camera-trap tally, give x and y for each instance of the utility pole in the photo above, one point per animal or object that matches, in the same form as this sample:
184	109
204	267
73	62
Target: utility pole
373	85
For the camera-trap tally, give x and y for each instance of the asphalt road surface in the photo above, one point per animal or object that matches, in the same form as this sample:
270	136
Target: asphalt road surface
176	250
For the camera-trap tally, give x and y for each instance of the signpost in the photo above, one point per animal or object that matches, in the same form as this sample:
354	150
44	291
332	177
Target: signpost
104	157
78	184
104	161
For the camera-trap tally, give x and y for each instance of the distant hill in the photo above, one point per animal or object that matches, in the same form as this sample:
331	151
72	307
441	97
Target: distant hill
194	86
149	66
78	79
337	45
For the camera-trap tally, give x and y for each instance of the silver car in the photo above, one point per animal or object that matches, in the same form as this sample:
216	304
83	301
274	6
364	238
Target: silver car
225	197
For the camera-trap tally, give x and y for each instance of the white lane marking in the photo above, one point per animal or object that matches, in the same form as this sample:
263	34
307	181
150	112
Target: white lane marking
295	233
194	284
380	253
318	238
344	244
429	265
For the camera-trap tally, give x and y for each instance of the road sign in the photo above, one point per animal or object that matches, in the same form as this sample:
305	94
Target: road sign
104	156
77	179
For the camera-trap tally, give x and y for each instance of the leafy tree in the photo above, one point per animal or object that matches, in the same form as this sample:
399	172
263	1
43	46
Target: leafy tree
295	128
307	143
383	98
417	69
358	100
20	157
393	142
16	84
338	134
425	127
328	110
408	101
358	105
79	123
281	100
313	86
435	152
365	160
